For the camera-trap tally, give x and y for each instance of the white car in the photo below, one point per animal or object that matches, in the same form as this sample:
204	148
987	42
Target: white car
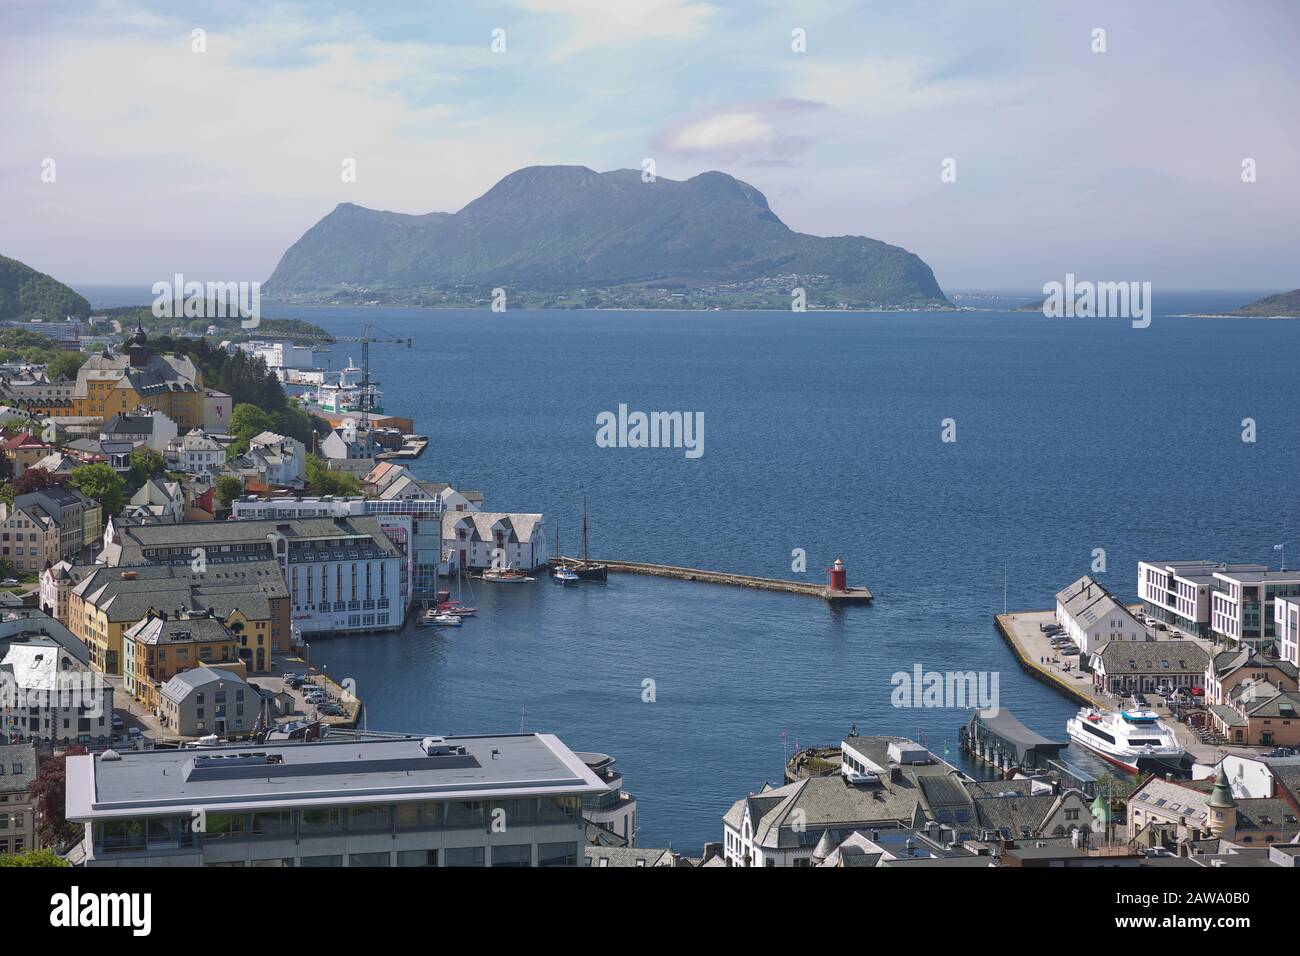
9	583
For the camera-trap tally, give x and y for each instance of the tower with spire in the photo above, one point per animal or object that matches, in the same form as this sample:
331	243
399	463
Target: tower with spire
1222	819
138	349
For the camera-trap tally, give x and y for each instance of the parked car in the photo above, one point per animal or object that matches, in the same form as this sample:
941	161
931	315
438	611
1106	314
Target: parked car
9	583
135	733
1140	700
331	710
118	722
1158	626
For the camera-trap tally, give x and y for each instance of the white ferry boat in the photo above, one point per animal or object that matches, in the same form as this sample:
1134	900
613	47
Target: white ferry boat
1133	740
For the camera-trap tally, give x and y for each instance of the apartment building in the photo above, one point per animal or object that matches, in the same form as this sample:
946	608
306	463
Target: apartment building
1178	592
509	800
67	507
166	644
344	574
1242	606
29	537
17	808
485	539
102	603
209	700
196	453
48	691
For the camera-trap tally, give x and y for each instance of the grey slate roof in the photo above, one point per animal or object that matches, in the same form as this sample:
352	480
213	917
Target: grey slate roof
22	757
1153	657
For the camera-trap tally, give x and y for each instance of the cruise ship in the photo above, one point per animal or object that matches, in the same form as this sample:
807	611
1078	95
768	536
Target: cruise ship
1134	740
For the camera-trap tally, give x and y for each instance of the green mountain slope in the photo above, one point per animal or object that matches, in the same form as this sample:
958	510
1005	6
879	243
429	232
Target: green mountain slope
557	228
1284	303
26	294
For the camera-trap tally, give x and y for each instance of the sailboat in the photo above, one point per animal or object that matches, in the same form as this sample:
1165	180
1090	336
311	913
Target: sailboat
586	570
561	573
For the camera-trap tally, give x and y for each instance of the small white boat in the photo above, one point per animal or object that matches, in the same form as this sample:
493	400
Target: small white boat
507	575
447	620
565	575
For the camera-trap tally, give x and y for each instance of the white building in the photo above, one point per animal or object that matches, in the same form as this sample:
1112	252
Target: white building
510	800
1178	592
217	407
144	426
485	539
1286	628
1242	608
281	461
196	453
48	690
1092	617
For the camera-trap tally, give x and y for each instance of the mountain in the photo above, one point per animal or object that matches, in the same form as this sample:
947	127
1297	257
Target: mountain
26	294
558	232
1272	306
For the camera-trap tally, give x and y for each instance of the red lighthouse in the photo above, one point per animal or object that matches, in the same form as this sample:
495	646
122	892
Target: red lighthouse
839	578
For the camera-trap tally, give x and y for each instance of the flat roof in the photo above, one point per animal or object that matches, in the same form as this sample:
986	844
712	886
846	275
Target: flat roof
322	773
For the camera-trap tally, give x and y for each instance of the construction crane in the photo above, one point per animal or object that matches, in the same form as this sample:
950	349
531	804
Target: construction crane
367	398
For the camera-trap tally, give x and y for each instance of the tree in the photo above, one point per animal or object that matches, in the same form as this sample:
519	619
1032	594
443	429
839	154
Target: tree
49	791
35	479
322	481
228	489
65	364
249	420
101	482
145	464
33	858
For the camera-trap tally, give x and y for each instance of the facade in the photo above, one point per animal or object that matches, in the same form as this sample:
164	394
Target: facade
166	644
1286	628
1177	593
196	453
209	700
28	537
274	460
17	808
1242	605
344	575
1132	667
485	539
348	443
1189	815
159	498
24	450
103	603
48	691
1257	713
614	809
143	426
67	507
1092	617
371	800
1227	670
217	407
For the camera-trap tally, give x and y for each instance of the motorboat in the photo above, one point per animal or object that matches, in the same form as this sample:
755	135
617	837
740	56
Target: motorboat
1135	740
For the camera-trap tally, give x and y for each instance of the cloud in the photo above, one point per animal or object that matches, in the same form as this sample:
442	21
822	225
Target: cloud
756	131
600	23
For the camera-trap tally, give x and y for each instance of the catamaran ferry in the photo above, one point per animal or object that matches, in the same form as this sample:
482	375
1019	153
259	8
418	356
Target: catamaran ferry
1134	740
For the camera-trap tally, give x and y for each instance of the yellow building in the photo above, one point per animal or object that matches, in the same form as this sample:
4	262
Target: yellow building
160	646
249	600
113	383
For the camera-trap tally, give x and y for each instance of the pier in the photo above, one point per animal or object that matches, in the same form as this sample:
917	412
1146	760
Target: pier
841	596
1038	658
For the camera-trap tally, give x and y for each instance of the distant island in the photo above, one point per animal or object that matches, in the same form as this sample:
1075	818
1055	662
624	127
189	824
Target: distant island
30	296
569	237
1281	305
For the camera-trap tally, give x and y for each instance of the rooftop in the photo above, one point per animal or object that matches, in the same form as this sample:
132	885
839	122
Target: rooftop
326	772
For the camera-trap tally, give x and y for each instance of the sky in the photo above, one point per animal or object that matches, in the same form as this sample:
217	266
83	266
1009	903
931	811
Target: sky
1120	164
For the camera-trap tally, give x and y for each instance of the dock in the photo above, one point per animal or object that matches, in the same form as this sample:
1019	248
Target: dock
1039	659
847	596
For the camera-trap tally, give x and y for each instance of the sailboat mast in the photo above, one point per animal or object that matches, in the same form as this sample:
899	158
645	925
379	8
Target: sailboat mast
585	555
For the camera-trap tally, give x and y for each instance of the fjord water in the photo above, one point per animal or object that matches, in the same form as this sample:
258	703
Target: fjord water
822	432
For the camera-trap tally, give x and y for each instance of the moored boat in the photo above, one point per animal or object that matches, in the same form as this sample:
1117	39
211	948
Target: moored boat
1133	740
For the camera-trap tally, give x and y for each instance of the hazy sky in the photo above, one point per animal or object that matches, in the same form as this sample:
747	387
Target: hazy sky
1125	164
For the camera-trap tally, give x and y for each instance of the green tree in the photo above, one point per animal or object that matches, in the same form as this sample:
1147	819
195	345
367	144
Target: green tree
249	420
33	858
322	481
228	489
66	364
145	464
101	482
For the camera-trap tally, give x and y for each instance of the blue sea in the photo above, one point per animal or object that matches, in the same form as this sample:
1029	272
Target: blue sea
822	433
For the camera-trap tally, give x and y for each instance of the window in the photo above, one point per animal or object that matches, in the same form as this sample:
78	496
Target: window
362	819
417	857
520	854
464	856
323	820
328	860
419	816
466	813
557	854
382	858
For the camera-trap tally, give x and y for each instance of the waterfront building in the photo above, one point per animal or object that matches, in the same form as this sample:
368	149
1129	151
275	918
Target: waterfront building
48	691
603	857
485	539
18	765
1177	593
614	809
348	442
1270	775
102	603
1226	670
1286	627
1092	616
273	460
1242	605
208	700
362	800
1137	667
344	574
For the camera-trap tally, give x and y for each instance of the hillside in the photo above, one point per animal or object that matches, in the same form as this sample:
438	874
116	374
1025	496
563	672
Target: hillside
26	294
1281	304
